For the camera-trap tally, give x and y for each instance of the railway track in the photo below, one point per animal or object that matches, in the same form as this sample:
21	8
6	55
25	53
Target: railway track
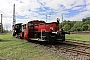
82	45
72	51
79	44
77	50
78	41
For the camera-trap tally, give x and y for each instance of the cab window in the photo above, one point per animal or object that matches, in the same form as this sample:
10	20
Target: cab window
24	26
30	26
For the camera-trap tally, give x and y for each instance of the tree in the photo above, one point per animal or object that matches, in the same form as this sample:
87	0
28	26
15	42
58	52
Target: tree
86	20
79	29
88	27
66	27
77	26
85	27
72	29
71	23
83	20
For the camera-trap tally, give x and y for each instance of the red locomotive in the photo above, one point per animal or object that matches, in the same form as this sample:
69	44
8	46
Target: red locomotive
41	30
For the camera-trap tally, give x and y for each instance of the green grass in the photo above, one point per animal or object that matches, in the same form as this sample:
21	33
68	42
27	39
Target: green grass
12	48
82	37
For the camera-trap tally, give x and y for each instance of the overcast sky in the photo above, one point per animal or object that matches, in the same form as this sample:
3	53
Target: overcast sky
27	10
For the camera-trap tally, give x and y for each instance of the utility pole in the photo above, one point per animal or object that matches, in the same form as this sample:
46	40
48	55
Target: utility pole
14	20
1	24
46	18
62	20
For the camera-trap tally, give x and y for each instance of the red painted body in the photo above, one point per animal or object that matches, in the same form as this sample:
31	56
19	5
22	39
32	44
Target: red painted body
26	32
41	30
38	26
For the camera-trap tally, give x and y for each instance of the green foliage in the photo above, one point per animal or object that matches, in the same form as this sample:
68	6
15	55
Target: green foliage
83	20
86	20
83	25
79	29
78	26
72	29
88	27
66	27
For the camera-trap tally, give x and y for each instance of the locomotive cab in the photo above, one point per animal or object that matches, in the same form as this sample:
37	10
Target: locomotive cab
16	29
23	29
27	31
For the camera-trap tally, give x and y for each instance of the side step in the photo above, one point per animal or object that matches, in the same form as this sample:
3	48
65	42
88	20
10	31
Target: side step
37	39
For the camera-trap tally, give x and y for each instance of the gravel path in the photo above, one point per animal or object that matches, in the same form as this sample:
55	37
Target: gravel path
58	50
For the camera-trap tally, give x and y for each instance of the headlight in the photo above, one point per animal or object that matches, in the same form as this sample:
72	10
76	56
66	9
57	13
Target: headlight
51	28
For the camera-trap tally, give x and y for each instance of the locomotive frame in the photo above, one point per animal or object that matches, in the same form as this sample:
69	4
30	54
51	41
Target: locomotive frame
39	30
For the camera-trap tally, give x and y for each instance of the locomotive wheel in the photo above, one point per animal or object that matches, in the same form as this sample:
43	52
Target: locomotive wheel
51	40
20	37
29	40
63	38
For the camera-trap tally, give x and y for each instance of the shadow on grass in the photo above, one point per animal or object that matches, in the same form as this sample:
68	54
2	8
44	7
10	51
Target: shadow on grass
4	40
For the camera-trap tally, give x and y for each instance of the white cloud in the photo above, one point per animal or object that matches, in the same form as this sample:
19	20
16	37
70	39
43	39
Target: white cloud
80	16
87	2
76	8
30	9
88	7
67	4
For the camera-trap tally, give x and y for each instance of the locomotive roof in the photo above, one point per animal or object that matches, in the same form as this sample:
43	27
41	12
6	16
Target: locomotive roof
24	22
18	23
36	21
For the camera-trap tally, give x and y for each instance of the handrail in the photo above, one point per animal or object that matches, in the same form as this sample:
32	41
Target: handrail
41	32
